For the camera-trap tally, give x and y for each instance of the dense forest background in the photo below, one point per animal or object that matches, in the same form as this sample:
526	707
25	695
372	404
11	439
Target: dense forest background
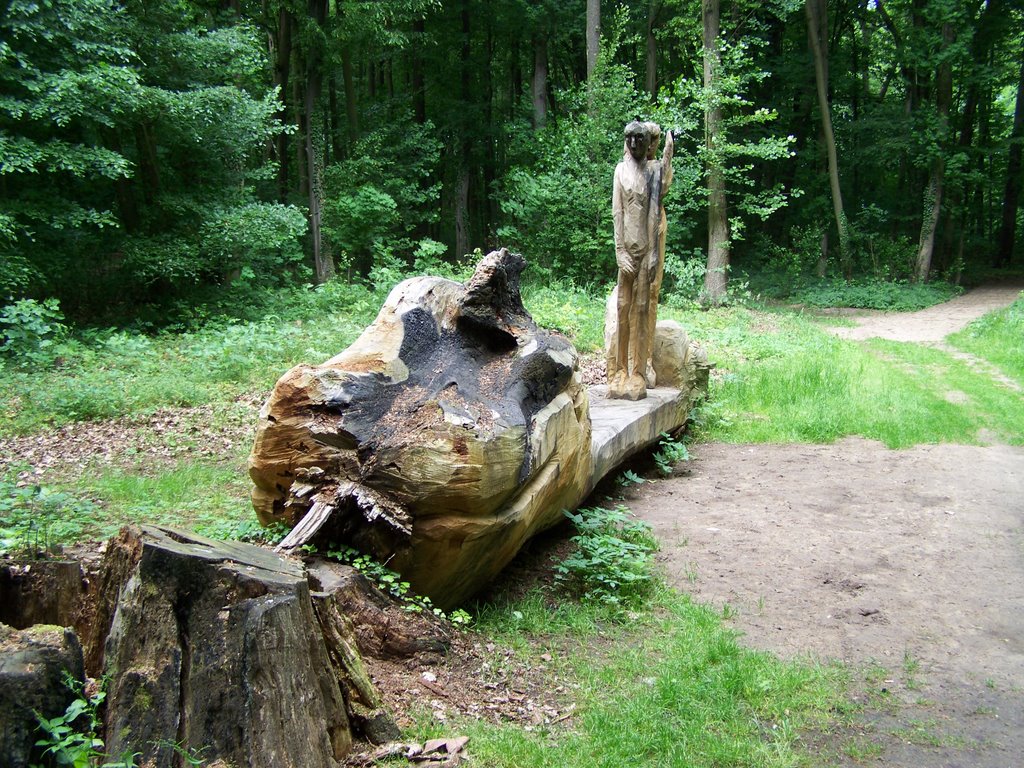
158	155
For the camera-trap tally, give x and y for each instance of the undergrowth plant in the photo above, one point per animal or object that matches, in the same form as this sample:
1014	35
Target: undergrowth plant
613	558
71	739
392	583
670	452
35	520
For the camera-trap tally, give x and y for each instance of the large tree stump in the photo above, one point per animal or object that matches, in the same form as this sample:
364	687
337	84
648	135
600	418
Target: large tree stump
448	434
215	646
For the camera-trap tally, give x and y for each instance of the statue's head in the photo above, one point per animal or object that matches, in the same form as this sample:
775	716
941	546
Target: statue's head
638	139
655	133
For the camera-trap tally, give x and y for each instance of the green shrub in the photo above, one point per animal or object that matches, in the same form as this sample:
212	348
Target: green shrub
29	329
897	296
35	520
612	563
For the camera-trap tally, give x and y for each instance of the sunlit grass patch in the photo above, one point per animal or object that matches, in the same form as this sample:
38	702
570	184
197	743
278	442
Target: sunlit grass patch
999	338
193	496
669	687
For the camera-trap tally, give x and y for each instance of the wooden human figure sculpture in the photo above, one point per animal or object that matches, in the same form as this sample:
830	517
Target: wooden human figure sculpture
636	213
664	172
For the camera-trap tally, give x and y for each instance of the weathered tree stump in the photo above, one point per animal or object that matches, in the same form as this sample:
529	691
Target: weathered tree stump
215	646
448	434
33	665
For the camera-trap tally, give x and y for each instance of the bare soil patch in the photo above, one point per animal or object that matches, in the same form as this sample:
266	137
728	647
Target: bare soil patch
909	565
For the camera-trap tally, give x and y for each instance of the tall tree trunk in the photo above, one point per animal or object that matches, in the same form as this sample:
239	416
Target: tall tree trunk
351	116
539	84
593	35
322	260
419	91
462	223
651	80
817	32
337	147
936	182
716	278
1011	194
282	71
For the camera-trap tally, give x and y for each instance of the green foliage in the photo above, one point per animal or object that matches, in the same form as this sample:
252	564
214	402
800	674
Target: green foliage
71	738
35	520
383	193
29	329
875	294
131	137
557	198
612	562
670	452
391	583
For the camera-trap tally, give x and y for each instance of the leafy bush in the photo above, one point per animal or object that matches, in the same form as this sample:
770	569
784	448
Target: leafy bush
36	520
612	563
876	294
670	452
29	328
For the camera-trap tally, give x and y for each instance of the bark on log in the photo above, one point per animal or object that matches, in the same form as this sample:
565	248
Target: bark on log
214	646
450	432
383	629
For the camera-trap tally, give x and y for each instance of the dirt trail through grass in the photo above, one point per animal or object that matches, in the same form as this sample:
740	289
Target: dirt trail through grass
907	564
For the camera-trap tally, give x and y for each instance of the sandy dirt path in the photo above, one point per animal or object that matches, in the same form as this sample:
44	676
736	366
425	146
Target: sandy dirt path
909	561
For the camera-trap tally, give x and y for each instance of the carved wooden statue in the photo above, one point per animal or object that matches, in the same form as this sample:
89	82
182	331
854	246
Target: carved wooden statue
639	185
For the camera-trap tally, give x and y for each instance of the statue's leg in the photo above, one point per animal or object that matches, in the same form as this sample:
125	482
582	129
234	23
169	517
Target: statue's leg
642	300
627	283
652	315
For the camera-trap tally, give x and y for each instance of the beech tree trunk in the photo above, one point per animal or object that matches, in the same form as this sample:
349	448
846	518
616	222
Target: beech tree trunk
936	180
716	277
651	79
817	32
1011	194
593	35
539	83
282	70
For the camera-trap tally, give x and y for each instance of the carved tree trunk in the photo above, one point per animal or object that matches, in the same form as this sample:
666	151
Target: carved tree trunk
449	433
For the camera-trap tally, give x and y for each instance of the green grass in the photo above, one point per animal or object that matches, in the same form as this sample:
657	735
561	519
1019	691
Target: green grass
107	374
210	499
670	687
998	337
781	378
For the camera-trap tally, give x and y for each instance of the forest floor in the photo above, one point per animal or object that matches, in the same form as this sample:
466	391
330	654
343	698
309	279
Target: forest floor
907	565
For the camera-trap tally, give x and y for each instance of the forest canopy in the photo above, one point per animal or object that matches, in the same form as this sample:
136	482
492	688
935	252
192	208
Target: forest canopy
155	154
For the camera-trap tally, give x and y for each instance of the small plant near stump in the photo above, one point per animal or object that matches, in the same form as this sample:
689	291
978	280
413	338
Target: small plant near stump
612	563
